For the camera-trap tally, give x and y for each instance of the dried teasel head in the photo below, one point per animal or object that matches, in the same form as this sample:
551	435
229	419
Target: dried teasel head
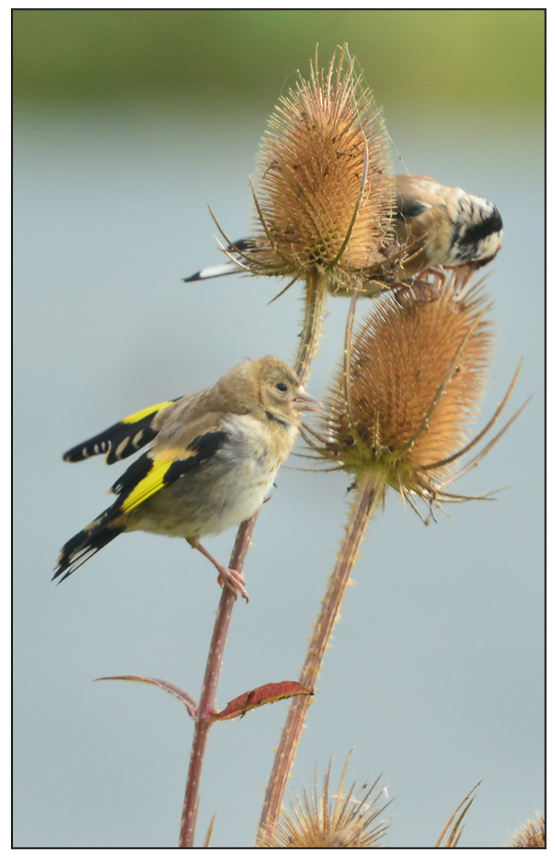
401	407
530	835
347	819
323	194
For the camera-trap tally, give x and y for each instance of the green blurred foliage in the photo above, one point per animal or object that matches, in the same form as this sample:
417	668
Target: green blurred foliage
492	58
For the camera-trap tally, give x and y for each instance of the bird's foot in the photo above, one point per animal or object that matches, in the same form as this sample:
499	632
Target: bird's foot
418	290
232	579
227	577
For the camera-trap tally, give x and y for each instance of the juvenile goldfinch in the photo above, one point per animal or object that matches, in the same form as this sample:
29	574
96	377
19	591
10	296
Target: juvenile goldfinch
213	459
434	226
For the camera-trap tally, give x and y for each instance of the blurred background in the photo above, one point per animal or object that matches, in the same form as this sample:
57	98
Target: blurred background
126	125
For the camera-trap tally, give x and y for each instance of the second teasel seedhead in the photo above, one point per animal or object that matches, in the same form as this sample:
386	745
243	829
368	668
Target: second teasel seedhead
349	818
323	193
411	383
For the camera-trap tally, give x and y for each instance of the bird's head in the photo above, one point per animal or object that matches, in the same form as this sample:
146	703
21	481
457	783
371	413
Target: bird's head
279	390
269	385
478	233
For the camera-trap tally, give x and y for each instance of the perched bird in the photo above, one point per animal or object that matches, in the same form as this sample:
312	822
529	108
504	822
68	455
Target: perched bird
212	461
434	226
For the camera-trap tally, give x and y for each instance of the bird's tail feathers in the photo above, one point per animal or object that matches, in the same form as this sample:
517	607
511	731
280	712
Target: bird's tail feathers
85	544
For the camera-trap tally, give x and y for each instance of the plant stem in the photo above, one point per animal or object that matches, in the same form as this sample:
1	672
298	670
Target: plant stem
369	494
208	696
316	291
314	303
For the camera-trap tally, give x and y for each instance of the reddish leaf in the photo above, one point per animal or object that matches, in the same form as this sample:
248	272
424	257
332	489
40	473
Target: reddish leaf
264	695
178	692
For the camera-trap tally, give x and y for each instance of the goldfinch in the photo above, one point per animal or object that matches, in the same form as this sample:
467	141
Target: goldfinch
213	458
435	225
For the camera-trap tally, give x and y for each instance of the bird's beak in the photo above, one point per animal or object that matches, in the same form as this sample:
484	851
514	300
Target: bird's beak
304	402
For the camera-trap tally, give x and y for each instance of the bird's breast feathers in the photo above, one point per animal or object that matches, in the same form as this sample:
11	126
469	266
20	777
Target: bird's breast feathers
225	489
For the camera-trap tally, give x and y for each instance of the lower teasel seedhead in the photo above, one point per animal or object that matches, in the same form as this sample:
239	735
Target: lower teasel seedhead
412	378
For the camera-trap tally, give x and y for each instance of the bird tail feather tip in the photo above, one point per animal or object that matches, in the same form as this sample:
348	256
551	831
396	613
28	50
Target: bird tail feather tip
214	272
83	546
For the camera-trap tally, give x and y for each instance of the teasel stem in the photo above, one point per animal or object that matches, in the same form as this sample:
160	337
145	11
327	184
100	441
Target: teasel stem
208	696
369	494
316	289
314	303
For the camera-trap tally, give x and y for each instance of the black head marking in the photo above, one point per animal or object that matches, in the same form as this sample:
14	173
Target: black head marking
483	228
410	209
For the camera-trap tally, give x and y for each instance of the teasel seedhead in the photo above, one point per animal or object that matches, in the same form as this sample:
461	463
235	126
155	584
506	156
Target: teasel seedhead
348	819
402	404
323	191
530	835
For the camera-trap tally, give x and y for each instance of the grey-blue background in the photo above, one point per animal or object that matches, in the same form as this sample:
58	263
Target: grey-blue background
435	677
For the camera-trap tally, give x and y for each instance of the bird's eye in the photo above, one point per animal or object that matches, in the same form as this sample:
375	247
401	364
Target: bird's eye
281	386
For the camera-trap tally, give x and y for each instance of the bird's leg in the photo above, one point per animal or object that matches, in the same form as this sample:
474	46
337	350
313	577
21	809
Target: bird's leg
424	291
419	289
462	274
226	576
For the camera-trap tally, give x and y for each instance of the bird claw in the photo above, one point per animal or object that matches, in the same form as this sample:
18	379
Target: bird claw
232	579
227	577
419	290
